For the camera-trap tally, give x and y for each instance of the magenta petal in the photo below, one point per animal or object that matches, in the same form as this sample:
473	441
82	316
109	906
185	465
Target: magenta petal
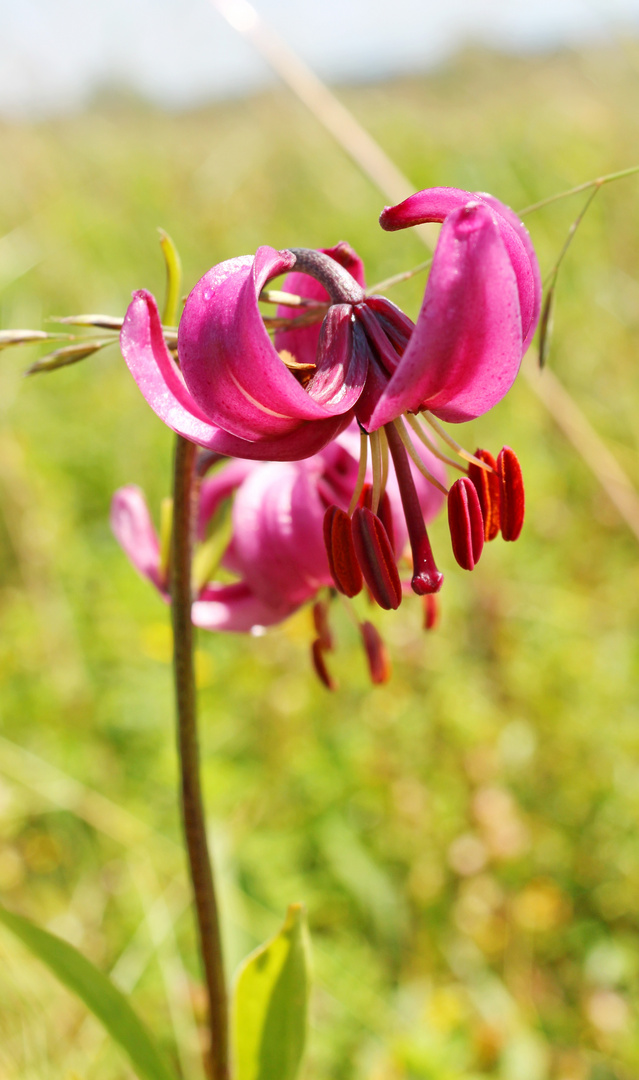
465	351
278	532
341	369
529	291
431	204
234	608
134	531
435	204
159	378
227	358
214	489
161	383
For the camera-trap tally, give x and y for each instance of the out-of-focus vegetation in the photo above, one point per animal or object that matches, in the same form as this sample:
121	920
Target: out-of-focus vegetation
465	838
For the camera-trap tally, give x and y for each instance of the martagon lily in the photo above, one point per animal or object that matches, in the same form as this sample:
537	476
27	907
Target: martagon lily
356	355
260	529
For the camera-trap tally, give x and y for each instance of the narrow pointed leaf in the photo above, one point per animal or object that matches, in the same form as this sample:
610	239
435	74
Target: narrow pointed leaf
96	991
270	1004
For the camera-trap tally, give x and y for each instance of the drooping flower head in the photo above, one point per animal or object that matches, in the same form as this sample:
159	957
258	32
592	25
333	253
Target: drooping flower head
260	552
353	354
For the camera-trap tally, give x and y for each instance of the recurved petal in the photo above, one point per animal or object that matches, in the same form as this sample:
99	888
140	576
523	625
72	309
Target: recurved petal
466	348
214	489
236	608
162	385
134	531
431	204
435	204
278	535
341	368
528	282
228	360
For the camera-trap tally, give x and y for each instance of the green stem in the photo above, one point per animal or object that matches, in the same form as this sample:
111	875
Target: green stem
599	181
206	906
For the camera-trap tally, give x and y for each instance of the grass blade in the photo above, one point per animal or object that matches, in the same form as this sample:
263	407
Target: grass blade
97	992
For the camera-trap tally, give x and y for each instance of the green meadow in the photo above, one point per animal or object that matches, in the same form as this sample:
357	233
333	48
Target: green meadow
464	838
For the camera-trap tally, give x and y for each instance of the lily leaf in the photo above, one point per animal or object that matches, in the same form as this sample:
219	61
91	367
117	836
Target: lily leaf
270	1004
101	997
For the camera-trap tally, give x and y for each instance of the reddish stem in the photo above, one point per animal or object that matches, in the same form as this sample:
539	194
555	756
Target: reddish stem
206	907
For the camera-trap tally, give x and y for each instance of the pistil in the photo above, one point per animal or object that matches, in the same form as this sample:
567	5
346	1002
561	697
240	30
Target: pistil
339	284
426	577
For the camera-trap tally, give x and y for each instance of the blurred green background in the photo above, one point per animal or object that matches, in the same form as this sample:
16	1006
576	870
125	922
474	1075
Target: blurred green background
465	838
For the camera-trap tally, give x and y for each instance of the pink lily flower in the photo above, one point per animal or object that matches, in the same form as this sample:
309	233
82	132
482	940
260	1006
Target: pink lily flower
479	312
241	393
276	547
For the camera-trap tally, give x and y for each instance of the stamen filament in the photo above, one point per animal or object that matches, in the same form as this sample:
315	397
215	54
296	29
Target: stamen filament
384	447
361	472
405	437
276	296
376	461
428	442
280	322
443	434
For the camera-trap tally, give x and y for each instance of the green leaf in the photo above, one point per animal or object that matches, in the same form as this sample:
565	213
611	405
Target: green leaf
98	993
270	1004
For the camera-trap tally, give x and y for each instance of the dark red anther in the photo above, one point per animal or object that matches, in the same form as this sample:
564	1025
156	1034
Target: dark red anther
379	663
431	611
320	622
384	510
512	502
342	560
466	523
322	672
487	488
376	558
